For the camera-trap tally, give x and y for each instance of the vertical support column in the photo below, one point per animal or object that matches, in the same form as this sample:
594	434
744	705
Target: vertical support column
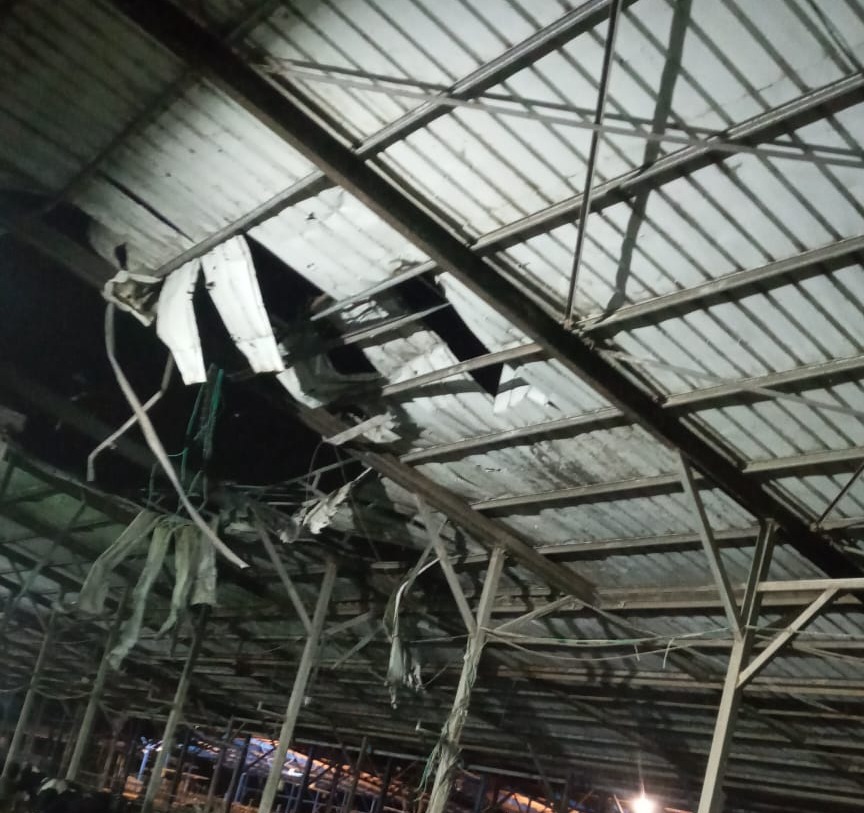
217	767
30	746
145	757
563	805
109	768
176	711
298	690
178	770
480	796
711	800
238	770
129	758
385	786
29	700
452	730
329	805
70	740
241	787
297	804
352	790
94	700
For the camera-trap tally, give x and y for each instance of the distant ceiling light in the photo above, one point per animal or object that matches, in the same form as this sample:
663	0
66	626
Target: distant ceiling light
642	804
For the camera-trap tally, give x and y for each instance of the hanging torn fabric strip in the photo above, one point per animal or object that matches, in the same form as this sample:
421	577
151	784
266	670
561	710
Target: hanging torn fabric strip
186	552
131	629
94	591
204	587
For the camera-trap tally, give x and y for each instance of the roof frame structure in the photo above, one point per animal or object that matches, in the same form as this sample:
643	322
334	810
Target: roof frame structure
350	679
179	34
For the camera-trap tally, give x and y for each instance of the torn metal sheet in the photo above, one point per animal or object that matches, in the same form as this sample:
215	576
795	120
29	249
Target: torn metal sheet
319	515
513	389
176	325
316	382
233	287
133	293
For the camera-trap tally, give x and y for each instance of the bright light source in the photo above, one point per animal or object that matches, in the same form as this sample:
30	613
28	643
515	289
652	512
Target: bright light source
642	804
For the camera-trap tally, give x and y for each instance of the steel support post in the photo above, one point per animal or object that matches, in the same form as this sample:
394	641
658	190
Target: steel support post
178	770
711	800
30	747
297	804
235	775
145	758
17	741
176	713
70	740
330	803
355	778
217	767
563	805
129	757
298	690
480	796
57	745
448	743
110	758
385	787
86	729
241	788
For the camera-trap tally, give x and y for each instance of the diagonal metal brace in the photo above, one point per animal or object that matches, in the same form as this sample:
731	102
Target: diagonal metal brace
709	544
782	638
446	565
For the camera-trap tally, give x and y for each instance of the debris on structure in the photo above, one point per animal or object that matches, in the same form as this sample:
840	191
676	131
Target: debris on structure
194	561
233	286
319	514
176	325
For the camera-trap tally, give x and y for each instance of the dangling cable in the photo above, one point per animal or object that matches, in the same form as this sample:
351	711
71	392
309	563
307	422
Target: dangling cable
156	445
132	420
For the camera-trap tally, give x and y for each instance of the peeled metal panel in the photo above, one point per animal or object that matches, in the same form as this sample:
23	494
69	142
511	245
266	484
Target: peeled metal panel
343	248
176	324
233	286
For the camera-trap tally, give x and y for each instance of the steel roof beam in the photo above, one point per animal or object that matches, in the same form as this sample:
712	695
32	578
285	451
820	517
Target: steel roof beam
803	464
720	289
807	108
178	33
827	373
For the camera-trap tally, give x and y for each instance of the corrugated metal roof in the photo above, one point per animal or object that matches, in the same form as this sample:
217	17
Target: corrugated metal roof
75	77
